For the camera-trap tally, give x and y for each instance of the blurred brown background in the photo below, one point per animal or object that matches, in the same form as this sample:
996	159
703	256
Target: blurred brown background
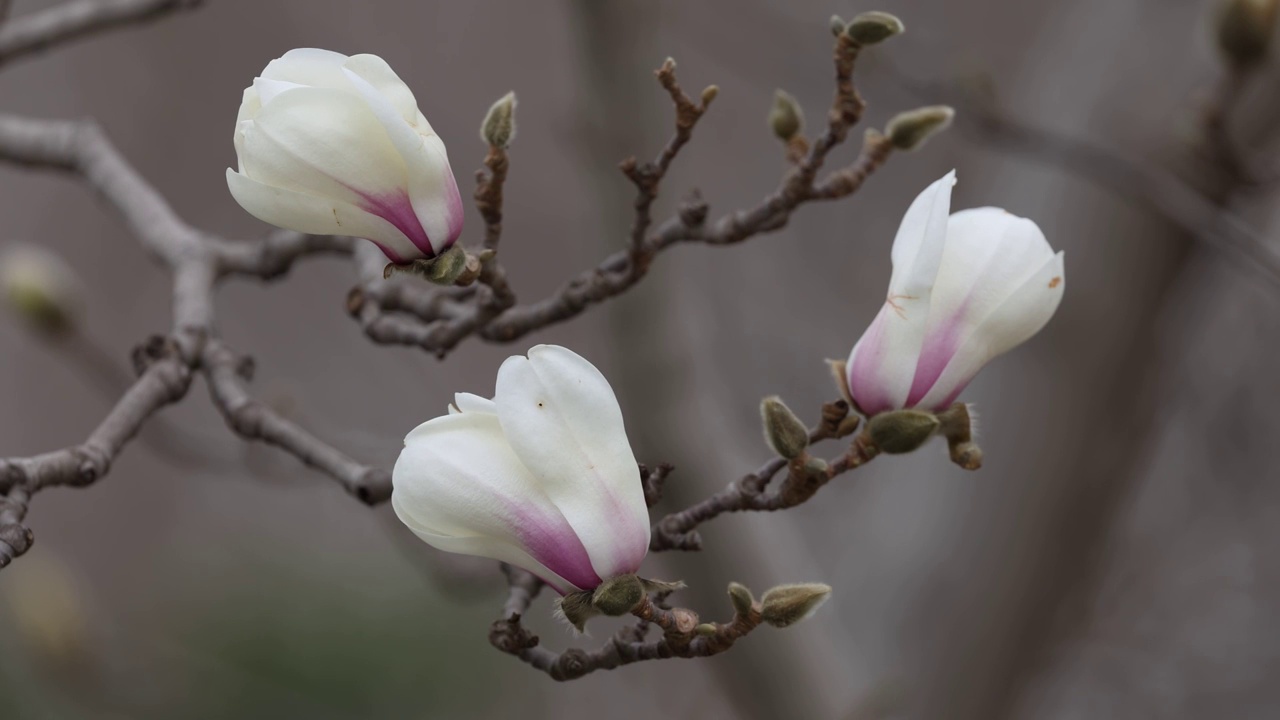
1114	559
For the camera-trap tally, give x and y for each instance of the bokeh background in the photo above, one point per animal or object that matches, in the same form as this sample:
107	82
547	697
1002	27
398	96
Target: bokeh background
1115	558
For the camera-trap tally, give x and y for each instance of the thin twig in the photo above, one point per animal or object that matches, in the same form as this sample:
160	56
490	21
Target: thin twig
76	19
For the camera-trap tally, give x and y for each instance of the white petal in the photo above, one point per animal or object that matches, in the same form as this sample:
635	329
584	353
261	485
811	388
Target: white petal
308	66
883	363
430	182
990	253
1020	316
305	213
378	74
467	402
267	89
323	142
457	477
563	421
490	548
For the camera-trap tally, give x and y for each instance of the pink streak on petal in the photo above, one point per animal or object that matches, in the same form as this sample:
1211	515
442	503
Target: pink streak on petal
397	209
455	210
631	542
392	255
552	542
865	383
939	347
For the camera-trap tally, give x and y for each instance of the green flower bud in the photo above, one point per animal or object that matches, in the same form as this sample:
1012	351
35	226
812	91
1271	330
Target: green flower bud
909	130
837	25
40	288
499	126
618	596
787	605
741	598
782	429
786	119
576	609
901	431
872	27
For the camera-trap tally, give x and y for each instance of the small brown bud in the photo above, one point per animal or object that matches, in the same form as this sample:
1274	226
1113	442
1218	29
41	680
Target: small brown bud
618	596
787	605
741	598
499	126
909	130
901	431
786	119
873	27
1244	29
782	429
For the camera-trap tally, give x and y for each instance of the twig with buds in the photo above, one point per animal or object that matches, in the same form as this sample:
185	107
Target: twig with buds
80	18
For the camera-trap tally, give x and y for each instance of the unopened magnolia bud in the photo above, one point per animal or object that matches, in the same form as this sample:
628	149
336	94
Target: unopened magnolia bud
782	429
618	596
741	598
447	267
576	609
499	126
872	27
789	604
786	119
1244	29
837	25
910	129
814	467
901	431
705	629
709	93
41	288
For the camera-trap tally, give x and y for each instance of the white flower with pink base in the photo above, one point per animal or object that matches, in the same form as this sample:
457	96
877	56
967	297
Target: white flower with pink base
330	144
541	476
966	287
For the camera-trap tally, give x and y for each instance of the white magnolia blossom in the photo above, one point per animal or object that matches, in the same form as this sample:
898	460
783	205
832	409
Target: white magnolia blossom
965	288
541	476
330	144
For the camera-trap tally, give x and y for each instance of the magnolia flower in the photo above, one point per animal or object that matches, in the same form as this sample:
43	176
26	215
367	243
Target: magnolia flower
330	144
541	476
965	288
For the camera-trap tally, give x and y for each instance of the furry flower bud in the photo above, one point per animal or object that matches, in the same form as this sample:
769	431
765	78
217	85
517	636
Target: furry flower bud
787	605
782	429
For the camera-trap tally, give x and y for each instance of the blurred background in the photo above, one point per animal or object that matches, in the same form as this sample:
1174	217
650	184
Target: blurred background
1113	559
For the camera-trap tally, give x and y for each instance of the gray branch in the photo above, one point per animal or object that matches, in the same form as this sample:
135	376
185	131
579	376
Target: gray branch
72	20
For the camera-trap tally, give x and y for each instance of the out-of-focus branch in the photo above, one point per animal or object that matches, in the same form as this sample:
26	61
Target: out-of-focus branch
1129	177
226	372
619	272
76	19
163	382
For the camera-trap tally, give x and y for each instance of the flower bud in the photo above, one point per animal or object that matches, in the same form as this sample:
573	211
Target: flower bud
706	629
909	130
837	25
576	609
787	605
499	126
448	266
1244	29
965	288
541	477
618	596
41	288
786	119
782	429
330	144
741	598
872	27
901	431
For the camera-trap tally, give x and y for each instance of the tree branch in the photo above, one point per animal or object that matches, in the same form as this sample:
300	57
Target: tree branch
75	19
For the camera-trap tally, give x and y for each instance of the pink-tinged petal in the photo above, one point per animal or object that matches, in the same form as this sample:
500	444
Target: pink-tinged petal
882	365
990	254
1020	316
563	421
457	477
396	209
305	213
432	190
